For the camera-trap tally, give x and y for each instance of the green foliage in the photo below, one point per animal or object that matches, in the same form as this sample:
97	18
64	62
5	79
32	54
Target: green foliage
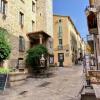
4	70
4	45
34	55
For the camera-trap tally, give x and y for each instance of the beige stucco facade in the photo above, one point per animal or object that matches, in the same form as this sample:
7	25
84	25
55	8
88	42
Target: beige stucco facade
70	39
12	25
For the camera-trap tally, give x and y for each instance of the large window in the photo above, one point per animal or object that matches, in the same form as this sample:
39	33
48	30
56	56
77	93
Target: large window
60	28
21	44
3	6
60	46
21	18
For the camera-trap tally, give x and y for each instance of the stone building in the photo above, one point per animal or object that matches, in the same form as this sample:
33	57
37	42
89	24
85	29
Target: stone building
67	41
93	20
22	19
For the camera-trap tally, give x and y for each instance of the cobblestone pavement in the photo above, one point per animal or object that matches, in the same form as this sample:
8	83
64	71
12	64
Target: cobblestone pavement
66	84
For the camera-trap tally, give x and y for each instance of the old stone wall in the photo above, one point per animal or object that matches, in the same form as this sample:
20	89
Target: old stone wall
44	16
11	23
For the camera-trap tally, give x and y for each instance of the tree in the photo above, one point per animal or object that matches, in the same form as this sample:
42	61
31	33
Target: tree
34	55
5	48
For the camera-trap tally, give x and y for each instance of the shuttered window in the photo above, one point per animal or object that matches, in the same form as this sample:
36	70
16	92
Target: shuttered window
3	6
21	19
21	44
60	28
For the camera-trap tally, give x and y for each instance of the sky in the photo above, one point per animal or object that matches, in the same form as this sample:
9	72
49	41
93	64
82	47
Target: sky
76	10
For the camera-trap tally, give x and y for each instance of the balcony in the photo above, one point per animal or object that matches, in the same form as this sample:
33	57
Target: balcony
90	9
60	47
91	13
93	31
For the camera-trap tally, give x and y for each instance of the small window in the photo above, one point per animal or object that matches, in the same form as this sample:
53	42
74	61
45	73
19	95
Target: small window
22	1
60	20
21	44
33	6
60	41
21	18
33	25
3	6
60	29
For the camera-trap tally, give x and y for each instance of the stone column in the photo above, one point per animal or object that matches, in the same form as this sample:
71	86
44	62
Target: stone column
40	38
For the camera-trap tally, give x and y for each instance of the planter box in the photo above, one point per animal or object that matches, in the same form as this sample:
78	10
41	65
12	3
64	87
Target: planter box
17	78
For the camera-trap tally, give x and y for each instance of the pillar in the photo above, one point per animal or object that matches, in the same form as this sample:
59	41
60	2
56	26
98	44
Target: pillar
40	38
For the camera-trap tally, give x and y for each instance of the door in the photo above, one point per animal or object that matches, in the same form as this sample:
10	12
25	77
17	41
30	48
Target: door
60	59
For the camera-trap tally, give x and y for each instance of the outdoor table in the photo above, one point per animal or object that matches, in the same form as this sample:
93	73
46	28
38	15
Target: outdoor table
96	88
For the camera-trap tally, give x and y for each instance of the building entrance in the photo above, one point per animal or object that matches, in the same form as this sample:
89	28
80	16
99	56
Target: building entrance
61	59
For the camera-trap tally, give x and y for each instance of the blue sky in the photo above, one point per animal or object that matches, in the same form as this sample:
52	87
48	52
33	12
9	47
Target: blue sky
76	10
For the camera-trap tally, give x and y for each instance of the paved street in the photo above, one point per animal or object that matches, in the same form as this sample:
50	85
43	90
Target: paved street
65	84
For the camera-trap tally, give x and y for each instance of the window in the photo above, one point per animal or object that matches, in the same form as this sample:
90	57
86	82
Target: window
59	20
33	6
60	47
60	42
60	28
22	1
21	18
50	44
21	44
33	25
3	6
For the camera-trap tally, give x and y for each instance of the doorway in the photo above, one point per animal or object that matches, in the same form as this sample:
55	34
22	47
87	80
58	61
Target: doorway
61	59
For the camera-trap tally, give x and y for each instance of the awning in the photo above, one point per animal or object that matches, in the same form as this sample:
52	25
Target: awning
36	35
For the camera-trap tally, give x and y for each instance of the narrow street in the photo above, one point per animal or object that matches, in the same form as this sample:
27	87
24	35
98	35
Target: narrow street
65	84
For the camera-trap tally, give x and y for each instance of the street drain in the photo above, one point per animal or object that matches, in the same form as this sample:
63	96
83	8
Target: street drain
44	84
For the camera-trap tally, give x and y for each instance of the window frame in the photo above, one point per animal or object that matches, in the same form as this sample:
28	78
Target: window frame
21	44
60	42
21	18
33	6
33	22
3	6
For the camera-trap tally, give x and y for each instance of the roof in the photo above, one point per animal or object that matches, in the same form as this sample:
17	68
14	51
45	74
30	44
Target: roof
38	32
